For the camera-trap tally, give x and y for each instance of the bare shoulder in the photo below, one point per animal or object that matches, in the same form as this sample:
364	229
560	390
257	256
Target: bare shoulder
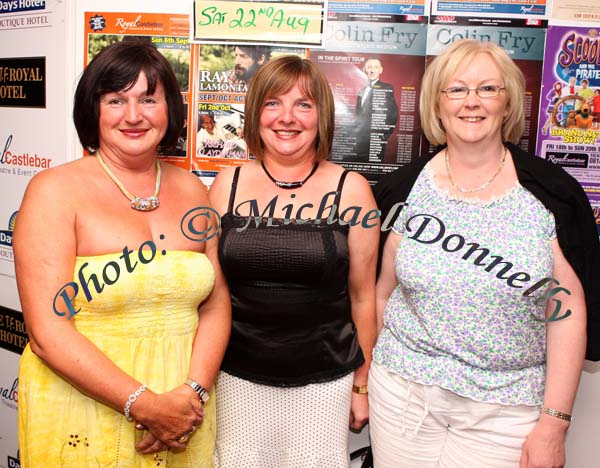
58	185
354	181
357	191
220	189
51	199
185	184
183	177
223	179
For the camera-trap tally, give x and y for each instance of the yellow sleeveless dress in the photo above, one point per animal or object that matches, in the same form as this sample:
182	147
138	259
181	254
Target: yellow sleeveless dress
145	322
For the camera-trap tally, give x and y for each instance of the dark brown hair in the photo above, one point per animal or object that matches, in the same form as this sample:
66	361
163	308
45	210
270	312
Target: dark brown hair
116	68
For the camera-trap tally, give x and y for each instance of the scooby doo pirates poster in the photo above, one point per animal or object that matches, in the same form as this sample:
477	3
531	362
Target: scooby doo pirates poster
569	126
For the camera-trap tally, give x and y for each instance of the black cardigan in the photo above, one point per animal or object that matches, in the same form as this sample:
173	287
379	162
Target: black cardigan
560	193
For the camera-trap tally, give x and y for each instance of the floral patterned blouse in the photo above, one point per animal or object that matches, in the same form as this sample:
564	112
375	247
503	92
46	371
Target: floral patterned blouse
459	318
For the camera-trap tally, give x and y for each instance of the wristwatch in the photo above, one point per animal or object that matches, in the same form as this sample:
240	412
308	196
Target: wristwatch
199	389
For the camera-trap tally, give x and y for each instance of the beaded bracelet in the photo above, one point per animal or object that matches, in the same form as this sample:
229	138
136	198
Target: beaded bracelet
557	414
131	400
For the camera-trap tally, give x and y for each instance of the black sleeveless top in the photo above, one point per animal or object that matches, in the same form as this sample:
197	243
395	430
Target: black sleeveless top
289	292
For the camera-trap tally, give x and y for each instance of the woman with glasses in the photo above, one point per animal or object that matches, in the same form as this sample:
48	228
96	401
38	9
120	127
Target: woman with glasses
480	300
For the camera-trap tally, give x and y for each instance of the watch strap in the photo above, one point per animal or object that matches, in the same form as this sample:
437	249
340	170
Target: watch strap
199	389
360	389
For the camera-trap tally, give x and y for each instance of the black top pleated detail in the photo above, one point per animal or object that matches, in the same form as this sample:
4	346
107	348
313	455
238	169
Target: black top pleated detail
292	321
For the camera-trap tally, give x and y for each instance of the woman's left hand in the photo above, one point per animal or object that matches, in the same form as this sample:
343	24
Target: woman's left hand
545	445
150	444
359	411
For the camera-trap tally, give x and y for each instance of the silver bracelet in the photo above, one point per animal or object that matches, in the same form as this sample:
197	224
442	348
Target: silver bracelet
131	400
556	413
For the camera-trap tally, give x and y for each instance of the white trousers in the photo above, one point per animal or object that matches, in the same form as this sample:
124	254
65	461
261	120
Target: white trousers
425	426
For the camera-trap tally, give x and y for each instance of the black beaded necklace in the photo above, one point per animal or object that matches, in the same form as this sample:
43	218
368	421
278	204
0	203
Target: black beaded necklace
289	185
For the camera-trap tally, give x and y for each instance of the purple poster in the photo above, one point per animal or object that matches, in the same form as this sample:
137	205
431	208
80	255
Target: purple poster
569	127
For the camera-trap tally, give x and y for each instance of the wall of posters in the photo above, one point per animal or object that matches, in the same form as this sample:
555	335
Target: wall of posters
394	7
493	8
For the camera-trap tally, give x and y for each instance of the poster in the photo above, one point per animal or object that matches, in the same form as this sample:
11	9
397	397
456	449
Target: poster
374	64
569	130
223	74
169	33
495	8
575	11
523	40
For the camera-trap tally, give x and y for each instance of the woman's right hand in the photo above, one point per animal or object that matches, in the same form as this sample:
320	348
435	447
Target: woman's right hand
168	416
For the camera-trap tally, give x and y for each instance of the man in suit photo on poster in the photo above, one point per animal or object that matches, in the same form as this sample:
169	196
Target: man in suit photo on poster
376	114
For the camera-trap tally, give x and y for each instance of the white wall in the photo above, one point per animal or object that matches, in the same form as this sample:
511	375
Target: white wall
34	131
583	439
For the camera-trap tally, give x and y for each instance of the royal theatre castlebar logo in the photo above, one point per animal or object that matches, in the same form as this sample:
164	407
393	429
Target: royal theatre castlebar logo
18	163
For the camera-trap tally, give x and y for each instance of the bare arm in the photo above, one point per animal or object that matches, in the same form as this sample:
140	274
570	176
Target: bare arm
214	326
566	342
363	242
387	280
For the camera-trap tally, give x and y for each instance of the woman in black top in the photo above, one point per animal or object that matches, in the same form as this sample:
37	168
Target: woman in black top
300	263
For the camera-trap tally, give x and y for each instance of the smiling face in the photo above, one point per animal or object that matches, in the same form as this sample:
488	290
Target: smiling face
207	123
289	124
472	119
131	122
373	69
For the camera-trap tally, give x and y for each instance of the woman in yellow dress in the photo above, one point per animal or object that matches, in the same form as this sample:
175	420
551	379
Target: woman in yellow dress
128	316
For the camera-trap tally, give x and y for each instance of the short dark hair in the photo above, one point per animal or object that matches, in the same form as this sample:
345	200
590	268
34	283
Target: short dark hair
117	68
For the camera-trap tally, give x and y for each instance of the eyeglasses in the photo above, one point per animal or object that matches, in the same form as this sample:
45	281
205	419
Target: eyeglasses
484	92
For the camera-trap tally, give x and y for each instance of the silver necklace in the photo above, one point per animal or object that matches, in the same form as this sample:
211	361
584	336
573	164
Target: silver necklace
137	203
481	187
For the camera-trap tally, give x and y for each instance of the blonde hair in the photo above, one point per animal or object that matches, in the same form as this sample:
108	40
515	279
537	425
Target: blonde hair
445	65
277	77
